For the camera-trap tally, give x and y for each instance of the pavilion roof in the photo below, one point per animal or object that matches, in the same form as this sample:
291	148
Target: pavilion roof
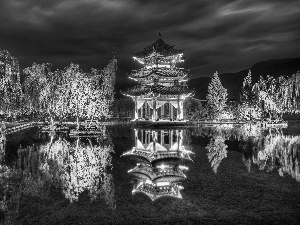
161	175
158	89
183	155
160	47
162	71
154	192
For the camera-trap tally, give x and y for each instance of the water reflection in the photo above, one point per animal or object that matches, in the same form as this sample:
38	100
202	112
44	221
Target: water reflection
161	159
269	148
79	164
273	151
71	165
59	170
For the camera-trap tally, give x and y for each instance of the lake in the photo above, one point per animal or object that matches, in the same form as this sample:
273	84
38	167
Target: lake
215	175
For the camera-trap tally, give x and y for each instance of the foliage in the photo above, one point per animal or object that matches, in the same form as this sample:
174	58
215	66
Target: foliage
194	108
10	87
69	92
277	96
246	93
122	107
39	89
216	97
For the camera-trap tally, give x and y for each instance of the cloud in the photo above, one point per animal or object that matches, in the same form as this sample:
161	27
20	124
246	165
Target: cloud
216	35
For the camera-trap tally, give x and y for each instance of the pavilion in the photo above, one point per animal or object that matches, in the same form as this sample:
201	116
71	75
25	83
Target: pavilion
161	88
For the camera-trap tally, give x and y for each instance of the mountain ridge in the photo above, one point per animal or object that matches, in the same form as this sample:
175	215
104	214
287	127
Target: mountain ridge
233	81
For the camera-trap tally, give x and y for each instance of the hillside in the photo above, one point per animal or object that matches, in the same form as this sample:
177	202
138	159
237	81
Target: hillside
233	81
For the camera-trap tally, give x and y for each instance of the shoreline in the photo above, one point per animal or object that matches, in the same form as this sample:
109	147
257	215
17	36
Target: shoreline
12	127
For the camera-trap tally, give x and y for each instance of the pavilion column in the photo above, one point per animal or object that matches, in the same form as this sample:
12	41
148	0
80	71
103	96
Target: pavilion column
136	137
154	110
154	138
146	107
136	115
162	111
178	138
161	137
181	109
178	109
170	139
170	111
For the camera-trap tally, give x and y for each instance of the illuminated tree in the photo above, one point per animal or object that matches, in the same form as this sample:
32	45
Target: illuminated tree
39	88
194	108
248	109
86	95
277	96
10	87
216	97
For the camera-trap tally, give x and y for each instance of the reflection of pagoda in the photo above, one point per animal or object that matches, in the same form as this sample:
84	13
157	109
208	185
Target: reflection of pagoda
161	84
160	168
154	145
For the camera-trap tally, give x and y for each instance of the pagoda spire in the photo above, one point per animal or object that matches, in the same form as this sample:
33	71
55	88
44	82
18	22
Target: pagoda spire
159	35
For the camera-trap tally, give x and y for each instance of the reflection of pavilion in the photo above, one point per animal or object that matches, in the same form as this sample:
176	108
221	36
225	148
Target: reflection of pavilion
160	158
153	145
158	190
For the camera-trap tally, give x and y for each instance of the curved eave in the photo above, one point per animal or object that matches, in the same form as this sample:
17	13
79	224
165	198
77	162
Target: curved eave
171	90
159	72
141	175
144	55
160	47
169	178
170	157
151	157
148	55
159	90
154	194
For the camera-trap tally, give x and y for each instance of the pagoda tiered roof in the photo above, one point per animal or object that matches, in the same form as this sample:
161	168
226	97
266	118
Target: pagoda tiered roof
157	90
152	156
159	71
148	172
158	190
160	48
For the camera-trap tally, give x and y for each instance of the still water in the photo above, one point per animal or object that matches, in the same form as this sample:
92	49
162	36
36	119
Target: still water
216	175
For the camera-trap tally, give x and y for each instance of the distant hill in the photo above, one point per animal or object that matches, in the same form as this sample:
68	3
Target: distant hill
233	81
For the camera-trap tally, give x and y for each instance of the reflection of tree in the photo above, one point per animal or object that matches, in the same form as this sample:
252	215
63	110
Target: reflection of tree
248	147
80	166
10	193
70	167
216	151
187	140
2	146
278	151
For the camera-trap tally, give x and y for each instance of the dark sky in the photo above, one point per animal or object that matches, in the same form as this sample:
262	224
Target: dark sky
226	36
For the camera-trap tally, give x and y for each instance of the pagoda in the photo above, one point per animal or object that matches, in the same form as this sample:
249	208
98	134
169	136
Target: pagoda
161	87
160	163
